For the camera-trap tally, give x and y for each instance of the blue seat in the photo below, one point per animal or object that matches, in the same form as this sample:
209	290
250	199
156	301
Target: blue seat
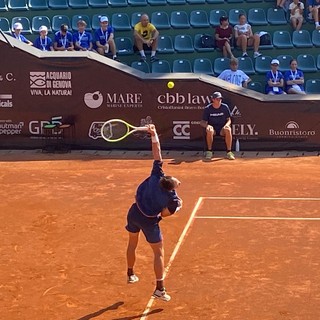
251	1
221	64
135	18
58	4
234	1
78	4
318	61
256	86
306	63
199	19
257	17
282	39
160	19
137	3
96	21
98	3
161	66
20	5
246	65
202	65
215	1
181	65
175	2
316	38
83	17
196	1
197	44
276	16
234	15
313	86
38	4
157	2
118	3
124	46
141	66
302	39
3	6
214	16
165	44
183	43
58	20
5	25
262	64
38	21
284	60
121	22
25	24
265	46
179	20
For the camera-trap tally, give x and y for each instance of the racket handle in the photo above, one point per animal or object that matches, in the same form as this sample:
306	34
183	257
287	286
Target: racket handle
142	128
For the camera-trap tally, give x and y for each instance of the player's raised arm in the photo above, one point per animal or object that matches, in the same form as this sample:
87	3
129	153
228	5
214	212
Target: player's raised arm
156	149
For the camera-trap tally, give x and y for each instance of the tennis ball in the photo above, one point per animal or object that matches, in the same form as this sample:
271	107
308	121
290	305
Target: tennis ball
170	84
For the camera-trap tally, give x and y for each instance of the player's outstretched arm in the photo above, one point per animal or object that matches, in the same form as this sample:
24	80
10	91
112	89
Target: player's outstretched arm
156	149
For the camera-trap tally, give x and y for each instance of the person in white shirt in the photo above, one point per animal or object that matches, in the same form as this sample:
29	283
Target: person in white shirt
235	76
296	14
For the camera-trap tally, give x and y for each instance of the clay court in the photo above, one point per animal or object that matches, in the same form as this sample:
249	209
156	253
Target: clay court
245	246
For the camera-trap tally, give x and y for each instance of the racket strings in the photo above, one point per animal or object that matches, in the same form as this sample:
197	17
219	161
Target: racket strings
115	130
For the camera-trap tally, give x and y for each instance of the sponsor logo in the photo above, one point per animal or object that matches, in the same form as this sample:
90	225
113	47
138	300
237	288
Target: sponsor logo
8	127
36	126
93	100
181	130
292	130
95	130
7	77
244	129
6	101
178	101
235	112
53	83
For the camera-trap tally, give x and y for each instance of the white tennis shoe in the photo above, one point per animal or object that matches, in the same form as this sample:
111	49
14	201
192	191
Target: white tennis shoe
133	279
162	295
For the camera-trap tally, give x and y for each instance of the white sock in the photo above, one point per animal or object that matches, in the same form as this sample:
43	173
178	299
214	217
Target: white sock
142	53
317	24
153	53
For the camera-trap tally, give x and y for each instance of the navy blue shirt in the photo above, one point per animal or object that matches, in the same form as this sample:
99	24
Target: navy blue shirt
151	198
216	117
43	44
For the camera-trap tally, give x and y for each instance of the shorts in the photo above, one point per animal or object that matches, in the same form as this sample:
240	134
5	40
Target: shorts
218	130
136	221
145	48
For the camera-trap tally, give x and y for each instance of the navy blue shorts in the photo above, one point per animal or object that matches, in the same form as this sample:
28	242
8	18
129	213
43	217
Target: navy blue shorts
136	221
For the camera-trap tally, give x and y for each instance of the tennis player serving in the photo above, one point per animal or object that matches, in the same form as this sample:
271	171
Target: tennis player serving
156	198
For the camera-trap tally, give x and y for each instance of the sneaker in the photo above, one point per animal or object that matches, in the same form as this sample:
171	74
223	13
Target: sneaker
230	156
143	59
244	55
318	27
116	59
208	155
257	54
133	279
161	294
154	59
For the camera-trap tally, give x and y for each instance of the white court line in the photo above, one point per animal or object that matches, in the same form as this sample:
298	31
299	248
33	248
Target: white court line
260	198
256	218
174	253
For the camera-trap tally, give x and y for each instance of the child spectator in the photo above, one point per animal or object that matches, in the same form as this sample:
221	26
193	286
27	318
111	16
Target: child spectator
63	39
294	79
275	79
43	42
82	39
296	14
17	29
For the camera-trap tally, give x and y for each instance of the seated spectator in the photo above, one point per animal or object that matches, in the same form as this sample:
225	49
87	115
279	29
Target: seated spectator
104	38
281	4
82	39
294	79
235	76
244	37
223	36
296	14
17	29
145	36
43	42
275	79
63	39
314	9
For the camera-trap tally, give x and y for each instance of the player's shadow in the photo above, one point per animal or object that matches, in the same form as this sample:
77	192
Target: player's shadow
140	315
100	312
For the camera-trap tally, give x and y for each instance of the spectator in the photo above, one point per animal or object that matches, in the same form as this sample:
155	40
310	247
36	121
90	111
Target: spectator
223	36
281	4
314	8
63	39
43	42
244	37
275	79
17	29
104	39
294	79
216	119
145	36
82	39
296	14
235	76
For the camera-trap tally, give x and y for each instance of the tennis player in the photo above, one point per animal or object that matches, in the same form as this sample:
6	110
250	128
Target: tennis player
156	198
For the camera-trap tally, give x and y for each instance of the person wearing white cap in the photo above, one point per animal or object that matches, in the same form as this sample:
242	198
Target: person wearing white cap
17	29
104	38
63	40
216	120
275	79
43	42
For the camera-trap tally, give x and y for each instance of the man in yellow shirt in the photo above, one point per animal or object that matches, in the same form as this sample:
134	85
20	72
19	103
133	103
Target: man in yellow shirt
145	36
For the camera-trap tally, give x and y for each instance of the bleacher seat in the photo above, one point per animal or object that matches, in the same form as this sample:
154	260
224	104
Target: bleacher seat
215	1
121	22
284	60
318	61
20	5
197	44
5	25
196	1
3	6
118	3
262	64
179	20
98	3
25	24
266	46
276	16
142	66
202	65
137	3
234	1
246	65
199	19
124	46
135	18
306	63
183	43
38	4
58	20
256	86
221	64
214	17
316	38
282	39
38	21
157	2
175	2
257	17
301	39
251	1
58	4
165	44
83	17
160	19
161	66
95	24
181	65
78	4
313	86
234	15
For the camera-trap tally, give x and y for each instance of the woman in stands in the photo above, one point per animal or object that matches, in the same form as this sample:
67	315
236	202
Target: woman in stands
223	36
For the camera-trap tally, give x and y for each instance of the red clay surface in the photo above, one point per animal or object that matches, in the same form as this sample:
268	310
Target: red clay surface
63	240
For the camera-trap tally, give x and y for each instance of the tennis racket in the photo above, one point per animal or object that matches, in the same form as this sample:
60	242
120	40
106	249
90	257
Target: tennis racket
115	130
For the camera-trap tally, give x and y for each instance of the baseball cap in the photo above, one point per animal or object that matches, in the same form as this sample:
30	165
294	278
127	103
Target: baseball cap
216	95
104	19
43	28
17	26
275	61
